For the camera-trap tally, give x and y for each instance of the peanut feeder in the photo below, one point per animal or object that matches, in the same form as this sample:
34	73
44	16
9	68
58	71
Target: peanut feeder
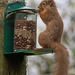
25	30
19	28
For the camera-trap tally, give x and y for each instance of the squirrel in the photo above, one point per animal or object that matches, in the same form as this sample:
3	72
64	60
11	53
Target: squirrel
51	37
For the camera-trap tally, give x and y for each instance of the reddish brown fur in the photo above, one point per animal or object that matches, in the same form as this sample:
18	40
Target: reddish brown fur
51	37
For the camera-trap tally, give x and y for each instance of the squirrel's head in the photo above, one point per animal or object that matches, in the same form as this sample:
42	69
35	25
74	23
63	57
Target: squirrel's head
47	10
44	4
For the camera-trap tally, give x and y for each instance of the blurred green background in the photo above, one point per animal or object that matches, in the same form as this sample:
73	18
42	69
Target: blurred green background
43	64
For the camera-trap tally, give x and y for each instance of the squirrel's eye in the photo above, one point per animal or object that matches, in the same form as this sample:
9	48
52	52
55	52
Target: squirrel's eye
44	3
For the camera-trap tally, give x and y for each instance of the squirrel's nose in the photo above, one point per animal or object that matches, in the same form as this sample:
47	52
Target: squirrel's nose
38	10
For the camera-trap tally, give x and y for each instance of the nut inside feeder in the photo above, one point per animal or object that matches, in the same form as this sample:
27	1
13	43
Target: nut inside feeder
25	30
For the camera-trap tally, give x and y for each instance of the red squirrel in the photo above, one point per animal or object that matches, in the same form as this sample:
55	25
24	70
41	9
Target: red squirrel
51	37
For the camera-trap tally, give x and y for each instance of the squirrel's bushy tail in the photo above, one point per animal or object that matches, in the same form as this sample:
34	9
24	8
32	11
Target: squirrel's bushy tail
61	60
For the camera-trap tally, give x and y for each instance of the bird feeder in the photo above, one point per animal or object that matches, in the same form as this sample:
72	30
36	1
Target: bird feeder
20	29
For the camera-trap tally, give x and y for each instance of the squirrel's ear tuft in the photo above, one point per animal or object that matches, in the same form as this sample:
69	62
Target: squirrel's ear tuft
50	0
52	3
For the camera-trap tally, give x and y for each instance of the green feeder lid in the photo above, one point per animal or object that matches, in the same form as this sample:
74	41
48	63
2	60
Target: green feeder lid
24	8
27	8
16	6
